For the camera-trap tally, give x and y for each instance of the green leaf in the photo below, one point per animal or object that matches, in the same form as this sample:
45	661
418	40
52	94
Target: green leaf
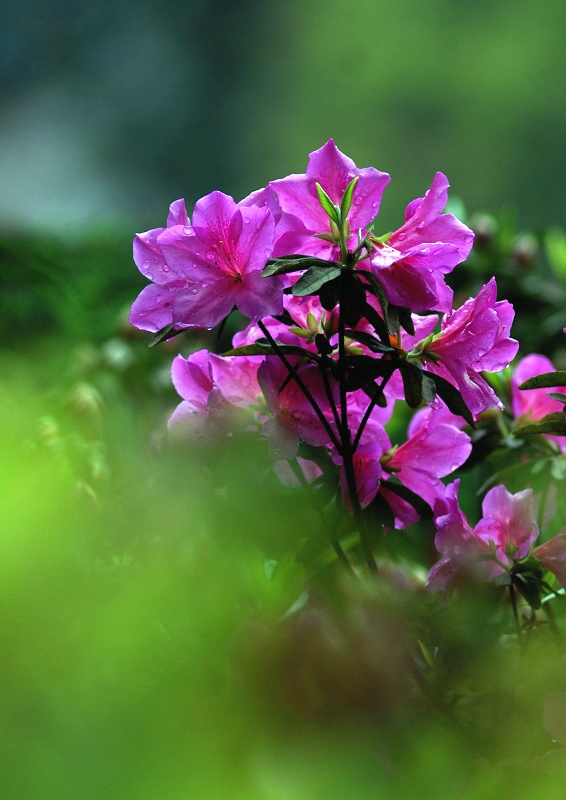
405	320
370	341
412	383
313	279
415	500
327	204
347	198
545	381
378	291
378	323
554	424
168	332
260	349
292	263
560	396
452	398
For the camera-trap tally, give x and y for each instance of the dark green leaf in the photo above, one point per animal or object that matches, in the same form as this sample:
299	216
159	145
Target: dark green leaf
347	198
560	396
412	383
546	381
550	424
352	297
378	291
405	320
168	332
327	204
452	398
370	341
378	323
259	349
292	263
315	277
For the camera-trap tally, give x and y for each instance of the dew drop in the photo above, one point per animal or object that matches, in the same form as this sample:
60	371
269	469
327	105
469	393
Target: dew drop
156	259
194	290
187	229
145	264
165	268
246	221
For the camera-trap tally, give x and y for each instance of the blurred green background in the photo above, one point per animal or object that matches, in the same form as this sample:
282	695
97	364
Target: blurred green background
142	586
111	110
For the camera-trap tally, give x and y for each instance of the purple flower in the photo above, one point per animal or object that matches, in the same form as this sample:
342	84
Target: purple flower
211	387
412	264
153	309
552	554
472	339
507	530
433	450
303	218
210	267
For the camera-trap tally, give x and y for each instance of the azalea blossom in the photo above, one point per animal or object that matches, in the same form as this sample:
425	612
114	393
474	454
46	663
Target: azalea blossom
212	266
153	309
506	531
210	387
434	449
472	339
533	404
412	263
304	220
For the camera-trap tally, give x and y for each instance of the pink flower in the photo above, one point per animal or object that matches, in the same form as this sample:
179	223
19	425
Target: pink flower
293	416
433	450
303	217
412	264
153	309
531	404
211	387
508	526
472	339
552	554
224	255
210	268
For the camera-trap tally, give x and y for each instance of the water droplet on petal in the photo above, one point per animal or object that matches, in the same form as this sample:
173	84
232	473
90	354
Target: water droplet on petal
194	290
145	264
187	229
165	268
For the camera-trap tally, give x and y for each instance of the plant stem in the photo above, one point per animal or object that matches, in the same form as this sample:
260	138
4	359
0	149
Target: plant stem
513	599
348	449
371	405
300	383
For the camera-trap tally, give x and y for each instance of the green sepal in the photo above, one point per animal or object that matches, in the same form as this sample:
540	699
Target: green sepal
292	263
327	204
554	424
347	198
545	381
453	399
315	277
415	500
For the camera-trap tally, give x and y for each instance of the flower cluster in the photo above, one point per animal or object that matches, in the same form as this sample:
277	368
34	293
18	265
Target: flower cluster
343	323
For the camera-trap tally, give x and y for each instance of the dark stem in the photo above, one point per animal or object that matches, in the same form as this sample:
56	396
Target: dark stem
300	383
513	599
332	538
371	405
348	449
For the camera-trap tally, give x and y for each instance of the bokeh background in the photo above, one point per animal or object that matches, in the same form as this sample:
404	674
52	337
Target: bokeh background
111	110
142	585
